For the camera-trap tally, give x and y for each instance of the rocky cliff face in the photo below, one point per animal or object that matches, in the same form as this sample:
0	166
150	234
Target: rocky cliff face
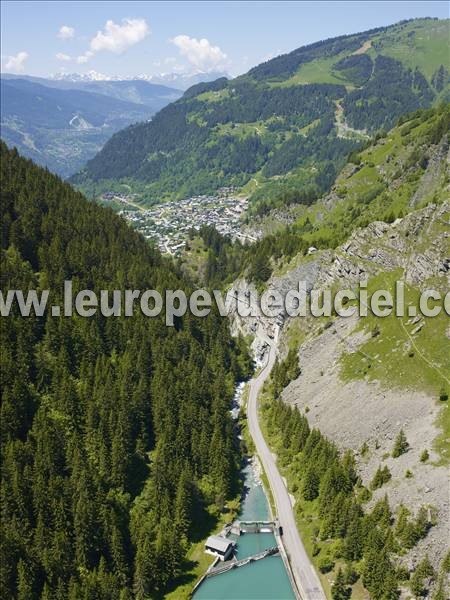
419	243
369	411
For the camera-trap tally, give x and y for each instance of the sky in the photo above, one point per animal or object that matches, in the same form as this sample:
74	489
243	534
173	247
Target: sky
133	38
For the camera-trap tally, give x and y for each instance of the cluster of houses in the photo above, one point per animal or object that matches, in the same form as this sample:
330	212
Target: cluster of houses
168	224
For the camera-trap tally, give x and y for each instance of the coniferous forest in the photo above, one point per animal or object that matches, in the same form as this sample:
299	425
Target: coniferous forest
115	432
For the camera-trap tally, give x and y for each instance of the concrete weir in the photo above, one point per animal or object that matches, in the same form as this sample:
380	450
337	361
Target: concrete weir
237	529
234	563
257	526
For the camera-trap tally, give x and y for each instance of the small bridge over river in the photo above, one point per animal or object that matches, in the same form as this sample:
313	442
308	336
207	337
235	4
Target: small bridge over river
234	563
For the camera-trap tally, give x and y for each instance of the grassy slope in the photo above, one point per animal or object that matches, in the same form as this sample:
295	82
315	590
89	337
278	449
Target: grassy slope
316	71
421	44
389	171
399	358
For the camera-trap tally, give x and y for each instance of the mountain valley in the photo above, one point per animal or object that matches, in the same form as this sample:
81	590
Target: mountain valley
282	132
123	445
62	124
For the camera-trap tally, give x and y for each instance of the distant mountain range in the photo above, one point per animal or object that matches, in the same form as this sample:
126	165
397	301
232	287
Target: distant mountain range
281	132
61	124
178	81
184	81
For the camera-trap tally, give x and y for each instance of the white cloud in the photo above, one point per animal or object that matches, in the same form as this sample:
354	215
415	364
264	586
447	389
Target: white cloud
83	59
117	38
65	32
16	64
62	56
200	53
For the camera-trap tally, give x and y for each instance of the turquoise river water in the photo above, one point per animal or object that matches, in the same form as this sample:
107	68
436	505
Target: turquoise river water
264	579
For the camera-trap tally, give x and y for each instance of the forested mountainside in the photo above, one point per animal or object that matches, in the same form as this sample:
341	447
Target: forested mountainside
115	432
398	173
357	410
282	131
62	124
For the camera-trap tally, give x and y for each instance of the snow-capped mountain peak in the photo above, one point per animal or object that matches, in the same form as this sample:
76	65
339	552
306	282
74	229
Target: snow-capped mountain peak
180	81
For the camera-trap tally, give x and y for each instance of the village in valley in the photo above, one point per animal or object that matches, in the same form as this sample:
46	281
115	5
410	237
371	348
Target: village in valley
168	224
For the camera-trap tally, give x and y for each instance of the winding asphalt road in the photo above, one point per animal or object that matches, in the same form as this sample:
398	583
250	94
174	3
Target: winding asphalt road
306	578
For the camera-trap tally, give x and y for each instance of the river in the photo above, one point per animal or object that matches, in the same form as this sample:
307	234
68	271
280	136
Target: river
264	579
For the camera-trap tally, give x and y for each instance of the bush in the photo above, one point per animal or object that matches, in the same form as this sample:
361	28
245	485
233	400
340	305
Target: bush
364	495
402	573
443	395
354	158
424	456
325	564
350	575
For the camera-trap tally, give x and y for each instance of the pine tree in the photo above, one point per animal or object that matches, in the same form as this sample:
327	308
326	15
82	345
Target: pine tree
118	552
382	476
401	444
382	513
401	521
378	572
421	524
390	587
446	563
416	584
142	567
353	542
24	581
184	503
424	570
439	592
339	590
310	487
425	567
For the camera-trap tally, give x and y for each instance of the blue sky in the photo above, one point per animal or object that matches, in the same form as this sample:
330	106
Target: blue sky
130	38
